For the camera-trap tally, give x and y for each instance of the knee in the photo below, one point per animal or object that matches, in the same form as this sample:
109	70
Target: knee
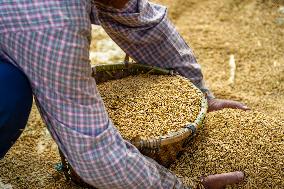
16	93
15	105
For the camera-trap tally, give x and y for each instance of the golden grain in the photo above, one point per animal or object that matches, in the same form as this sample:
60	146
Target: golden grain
148	106
236	140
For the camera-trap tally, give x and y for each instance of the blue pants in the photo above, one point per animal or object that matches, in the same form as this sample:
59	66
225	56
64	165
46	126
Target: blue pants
15	105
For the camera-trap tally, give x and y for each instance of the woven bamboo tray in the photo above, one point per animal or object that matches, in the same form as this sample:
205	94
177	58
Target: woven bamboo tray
163	149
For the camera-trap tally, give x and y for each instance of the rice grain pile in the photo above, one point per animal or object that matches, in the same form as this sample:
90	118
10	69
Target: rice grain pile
147	106
236	140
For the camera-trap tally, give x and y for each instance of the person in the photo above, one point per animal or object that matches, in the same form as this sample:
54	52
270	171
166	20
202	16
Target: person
49	42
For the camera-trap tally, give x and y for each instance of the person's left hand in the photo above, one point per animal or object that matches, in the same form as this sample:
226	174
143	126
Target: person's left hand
219	104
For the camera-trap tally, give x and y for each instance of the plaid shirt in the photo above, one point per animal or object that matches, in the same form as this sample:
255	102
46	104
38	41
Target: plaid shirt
49	41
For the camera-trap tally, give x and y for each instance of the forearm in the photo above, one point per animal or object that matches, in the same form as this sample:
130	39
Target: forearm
107	161
143	31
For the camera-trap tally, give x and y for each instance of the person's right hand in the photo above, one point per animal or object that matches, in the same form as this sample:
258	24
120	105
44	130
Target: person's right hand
220	181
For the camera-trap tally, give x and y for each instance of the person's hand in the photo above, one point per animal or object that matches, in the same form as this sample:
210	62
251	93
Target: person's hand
219	104
220	181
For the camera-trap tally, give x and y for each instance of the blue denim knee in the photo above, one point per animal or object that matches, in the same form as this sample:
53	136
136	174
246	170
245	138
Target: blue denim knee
15	105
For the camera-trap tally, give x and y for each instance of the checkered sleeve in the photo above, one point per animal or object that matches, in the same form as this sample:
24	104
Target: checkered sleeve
49	41
143	31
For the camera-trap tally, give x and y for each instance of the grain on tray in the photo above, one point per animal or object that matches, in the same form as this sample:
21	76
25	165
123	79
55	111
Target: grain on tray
147	106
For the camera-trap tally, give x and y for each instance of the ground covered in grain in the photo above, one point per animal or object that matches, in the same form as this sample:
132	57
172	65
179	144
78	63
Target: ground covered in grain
252	31
233	140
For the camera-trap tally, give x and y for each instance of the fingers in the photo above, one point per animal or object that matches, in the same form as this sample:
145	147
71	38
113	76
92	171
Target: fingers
213	105
236	105
219	181
218	104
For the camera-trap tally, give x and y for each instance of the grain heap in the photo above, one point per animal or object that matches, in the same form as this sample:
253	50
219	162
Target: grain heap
149	106
25	166
236	140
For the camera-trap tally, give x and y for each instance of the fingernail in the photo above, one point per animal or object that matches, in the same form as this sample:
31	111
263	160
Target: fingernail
240	175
